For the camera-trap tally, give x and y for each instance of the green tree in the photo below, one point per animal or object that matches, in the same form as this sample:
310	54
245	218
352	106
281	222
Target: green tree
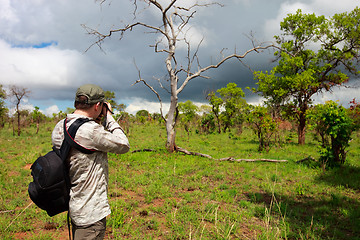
232	101
215	102
317	54
188	110
207	123
354	112
110	98
142	115
37	116
234	105
335	126
69	110
3	109
263	125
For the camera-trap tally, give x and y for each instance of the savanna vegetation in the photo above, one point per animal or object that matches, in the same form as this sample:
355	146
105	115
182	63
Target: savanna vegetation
239	172
161	195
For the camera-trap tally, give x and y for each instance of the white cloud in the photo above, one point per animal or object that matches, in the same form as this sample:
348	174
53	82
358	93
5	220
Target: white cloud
319	7
329	8
272	26
7	12
341	95
193	35
30	67
52	109
138	104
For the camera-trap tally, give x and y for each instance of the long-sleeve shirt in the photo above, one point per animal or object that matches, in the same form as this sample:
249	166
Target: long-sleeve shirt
89	175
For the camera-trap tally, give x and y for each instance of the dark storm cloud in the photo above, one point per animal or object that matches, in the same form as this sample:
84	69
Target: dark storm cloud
54	72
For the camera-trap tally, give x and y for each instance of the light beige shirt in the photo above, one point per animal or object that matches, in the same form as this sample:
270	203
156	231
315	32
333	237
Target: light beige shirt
89	173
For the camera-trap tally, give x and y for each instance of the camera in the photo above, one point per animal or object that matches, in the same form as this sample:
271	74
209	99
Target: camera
107	107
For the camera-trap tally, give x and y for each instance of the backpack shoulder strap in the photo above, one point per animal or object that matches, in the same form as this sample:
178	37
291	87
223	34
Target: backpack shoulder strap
70	133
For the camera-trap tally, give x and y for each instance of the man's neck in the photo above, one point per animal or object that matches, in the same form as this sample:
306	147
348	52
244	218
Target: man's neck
84	113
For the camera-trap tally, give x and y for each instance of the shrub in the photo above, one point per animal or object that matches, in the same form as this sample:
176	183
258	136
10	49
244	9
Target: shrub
263	125
335	126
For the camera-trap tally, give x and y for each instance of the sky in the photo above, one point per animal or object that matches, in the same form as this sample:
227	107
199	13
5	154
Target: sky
45	48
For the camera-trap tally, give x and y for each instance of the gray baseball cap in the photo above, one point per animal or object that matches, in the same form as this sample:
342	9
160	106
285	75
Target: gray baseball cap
92	92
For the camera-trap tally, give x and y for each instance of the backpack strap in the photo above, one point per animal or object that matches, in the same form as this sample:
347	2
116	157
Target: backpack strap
70	133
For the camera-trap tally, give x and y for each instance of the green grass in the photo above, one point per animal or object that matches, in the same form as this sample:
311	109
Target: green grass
157	195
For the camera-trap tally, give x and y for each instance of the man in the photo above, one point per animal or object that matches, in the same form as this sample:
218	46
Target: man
88	173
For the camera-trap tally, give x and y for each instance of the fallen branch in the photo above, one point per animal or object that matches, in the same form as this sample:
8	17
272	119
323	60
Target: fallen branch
143	150
309	158
179	149
7	211
231	159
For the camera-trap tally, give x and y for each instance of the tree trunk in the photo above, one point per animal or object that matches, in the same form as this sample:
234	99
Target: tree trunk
301	130
170	125
37	125
18	120
218	122
171	119
13	126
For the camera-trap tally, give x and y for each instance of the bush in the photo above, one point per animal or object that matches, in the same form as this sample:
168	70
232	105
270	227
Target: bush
334	126
263	125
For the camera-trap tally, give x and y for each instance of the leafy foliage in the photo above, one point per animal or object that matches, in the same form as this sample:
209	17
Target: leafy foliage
315	52
334	125
142	115
354	112
3	109
188	110
263	125
208	124
232	101
110	98
215	102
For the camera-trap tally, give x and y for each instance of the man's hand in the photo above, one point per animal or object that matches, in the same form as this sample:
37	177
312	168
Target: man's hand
107	109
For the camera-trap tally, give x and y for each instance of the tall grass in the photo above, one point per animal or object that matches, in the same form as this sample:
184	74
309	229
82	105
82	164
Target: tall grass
157	195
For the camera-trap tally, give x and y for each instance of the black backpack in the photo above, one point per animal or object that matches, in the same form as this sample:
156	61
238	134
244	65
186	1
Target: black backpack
51	184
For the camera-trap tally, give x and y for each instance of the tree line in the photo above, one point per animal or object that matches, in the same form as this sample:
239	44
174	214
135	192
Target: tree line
226	112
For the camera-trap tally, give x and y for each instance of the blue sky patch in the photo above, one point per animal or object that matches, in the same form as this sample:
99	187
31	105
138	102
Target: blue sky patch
45	44
40	45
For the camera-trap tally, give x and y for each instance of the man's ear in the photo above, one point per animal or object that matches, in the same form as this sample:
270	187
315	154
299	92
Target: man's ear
97	106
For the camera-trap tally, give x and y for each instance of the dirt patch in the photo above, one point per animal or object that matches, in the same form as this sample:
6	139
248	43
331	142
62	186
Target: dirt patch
13	174
54	233
27	166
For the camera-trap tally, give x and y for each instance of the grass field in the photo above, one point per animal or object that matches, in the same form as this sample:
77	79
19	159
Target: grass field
157	195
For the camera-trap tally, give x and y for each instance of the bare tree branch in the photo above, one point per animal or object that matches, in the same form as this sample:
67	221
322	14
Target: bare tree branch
150	87
101	37
162	86
200	71
172	28
168	7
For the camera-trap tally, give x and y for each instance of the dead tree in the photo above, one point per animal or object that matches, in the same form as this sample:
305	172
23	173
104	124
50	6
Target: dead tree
172	30
18	93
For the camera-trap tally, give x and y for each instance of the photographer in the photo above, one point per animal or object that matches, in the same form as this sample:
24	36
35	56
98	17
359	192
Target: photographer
88	173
